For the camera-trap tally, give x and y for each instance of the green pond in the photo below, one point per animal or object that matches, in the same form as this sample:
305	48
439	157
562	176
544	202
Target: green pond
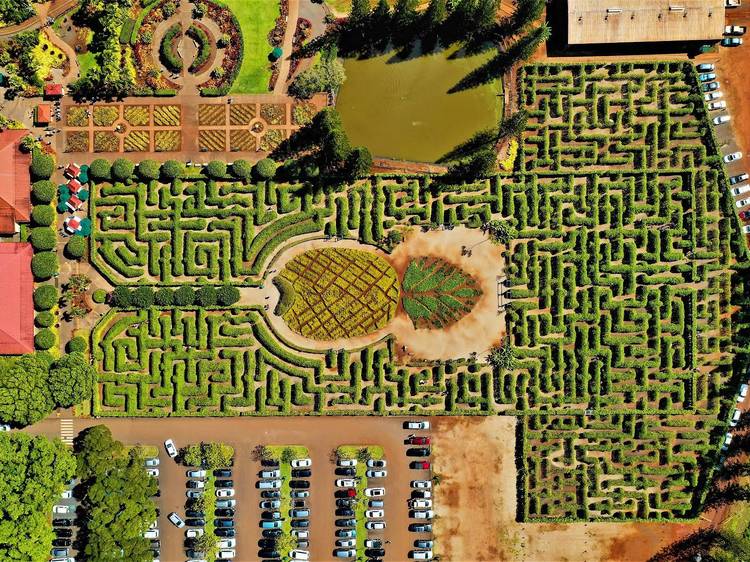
402	109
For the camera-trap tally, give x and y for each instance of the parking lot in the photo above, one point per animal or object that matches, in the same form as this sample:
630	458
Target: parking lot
322	436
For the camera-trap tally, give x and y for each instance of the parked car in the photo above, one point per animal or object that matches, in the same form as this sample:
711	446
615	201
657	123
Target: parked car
373	543
62	509
721	119
705	67
59	551
272	533
170	448
299	513
346	543
226	503
193	493
299	484
226	554
225	483
344	502
746	229
420	514
301	463
224	512
347	462
225	532
420	527
344	512
269	484
297	523
195	522
345	483
150	462
424	424
346	471
421	554
727	440
371	552
716	105
377	463
744	215
736	415
420	503
421	484
270	524
297	554
153	472
735	30
224	523
223	473
418	452
301	534
62	522
199	484
739	190
346	522
425	494
268	553
151	534
423	543
196	474
194	533
270	474
420	465
710	86
269	462
743	392
346	533
739	178
374	492
710	96
732	157
300	494
301	473
195	554
707	77
345	553
376	473
270	494
375	525
271	515
742	203
195	513
63	533
270	504
374	513
731	42
61	542
376	504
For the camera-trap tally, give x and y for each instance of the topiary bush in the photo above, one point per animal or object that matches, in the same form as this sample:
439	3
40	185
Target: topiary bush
227	295
44	265
75	247
77	345
164	297
100	169
142	297
42	165
121	297
45	297
43	238
216	169
184	296
206	296
43	215
45	319
99	296
286	298
242	169
172	169
122	169
43	191
265	169
149	170
44	339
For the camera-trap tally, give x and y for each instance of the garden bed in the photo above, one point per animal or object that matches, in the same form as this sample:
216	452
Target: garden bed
223	77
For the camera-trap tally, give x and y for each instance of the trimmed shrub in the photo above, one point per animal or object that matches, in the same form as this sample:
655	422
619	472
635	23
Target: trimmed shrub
216	169
206	296
43	191
286	292
149	170
168	49
75	247
43	238
227	295
142	297
265	169
242	169
172	169
45	319
44	265
164	297
121	297
43	215
77	345
184	296
99	296
45	297
42	165
122	169
100	169
44	339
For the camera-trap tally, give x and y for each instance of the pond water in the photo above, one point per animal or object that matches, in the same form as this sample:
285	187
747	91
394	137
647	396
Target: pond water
402	109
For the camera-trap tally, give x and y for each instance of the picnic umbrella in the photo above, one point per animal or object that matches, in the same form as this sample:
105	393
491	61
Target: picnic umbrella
85	227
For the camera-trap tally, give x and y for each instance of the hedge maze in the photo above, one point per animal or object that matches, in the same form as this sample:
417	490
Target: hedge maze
619	289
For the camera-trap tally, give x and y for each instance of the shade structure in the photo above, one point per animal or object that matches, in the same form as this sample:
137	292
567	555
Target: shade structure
83	195
85	227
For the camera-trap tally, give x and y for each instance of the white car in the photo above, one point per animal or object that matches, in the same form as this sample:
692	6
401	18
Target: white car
715	105
345	553
194	533
418	514
61	509
226	554
421	554
424	504
744	176
300	534
151	534
270	474
377	463
375	525
710	96
417	424
227	543
705	67
225	493
194	493
226	503
742	202
739	190
301	463
374	492
721	119
151	462
269	484
727	440
299	554
735	418
4	427
421	484
735	30
176	520
376	473
197	484
732	157
345	483
746	229
743	392
153	472
374	513
171	448
66	494
196	474
348	462
346	543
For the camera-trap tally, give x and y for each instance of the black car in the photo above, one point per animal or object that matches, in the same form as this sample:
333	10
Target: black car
194	484
299	484
418	452
194	513
343	502
269	462
272	533
224	512
269	516
270	494
374	560
267	543
370	552
420	528
344	512
223	473
299	503
224	523
195	553
61	542
300	523
420	494
225	533
195	522
66	533
225	483
301	473
346	471
62	522
268	553
155	543
346	523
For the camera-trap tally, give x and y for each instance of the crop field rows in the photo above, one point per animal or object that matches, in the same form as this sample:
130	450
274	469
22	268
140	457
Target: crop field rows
619	294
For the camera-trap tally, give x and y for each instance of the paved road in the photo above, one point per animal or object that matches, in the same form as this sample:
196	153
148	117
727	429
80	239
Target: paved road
320	434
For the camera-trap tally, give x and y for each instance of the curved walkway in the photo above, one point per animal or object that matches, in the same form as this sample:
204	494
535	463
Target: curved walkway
37	21
75	68
291	27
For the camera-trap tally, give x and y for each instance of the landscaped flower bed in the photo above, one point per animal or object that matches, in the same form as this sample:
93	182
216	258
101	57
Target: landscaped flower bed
271	139
105	116
167	115
212	114
241	113
302	113
137	141
168	54
106	141
149	78
137	115
273	113
219	83
77	141
212	140
167	141
76	116
241	140
202	36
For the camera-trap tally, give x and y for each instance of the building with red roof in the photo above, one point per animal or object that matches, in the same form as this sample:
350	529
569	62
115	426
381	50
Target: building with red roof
15	183
53	90
16	299
43	114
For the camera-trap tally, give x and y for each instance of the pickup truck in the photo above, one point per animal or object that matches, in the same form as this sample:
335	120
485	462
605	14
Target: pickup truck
735	30
732	3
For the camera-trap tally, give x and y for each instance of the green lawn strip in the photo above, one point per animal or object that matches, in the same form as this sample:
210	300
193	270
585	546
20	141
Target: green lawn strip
146	451
257	18
286	492
210	494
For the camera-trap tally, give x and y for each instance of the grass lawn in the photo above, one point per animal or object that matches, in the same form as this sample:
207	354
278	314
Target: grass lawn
300	452
345	6
87	60
209	492
257	19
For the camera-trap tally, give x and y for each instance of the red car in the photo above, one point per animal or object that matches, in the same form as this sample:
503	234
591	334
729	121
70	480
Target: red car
744	215
420	465
419	440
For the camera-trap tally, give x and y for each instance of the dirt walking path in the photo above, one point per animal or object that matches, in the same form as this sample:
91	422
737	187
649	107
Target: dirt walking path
291	26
